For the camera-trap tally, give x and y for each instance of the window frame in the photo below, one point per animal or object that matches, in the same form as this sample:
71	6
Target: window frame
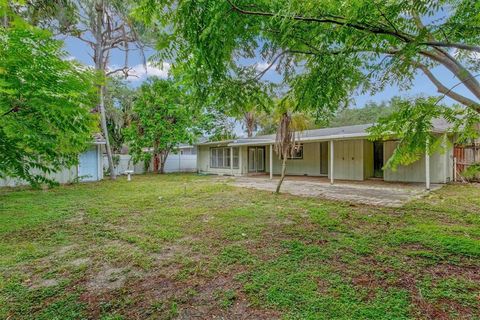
295	157
225	158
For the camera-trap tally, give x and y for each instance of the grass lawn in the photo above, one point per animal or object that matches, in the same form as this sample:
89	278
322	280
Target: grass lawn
187	246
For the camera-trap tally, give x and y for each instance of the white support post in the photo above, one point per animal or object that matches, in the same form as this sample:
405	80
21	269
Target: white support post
240	166
427	167
446	159
271	161
231	160
331	161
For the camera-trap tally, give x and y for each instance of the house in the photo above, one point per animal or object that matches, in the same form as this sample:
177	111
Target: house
343	153
89	168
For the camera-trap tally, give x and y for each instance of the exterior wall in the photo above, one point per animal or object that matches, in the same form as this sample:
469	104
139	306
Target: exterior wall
203	162
348	160
440	167
309	165
353	160
174	163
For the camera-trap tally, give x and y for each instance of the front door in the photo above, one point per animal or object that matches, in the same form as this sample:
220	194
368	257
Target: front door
378	159
256	159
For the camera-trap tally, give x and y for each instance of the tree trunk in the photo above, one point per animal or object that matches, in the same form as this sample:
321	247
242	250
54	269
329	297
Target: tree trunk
163	159
249	123
156	161
100	66
103	121
284	169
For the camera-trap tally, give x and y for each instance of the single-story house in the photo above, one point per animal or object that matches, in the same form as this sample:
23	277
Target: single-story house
89	168
343	153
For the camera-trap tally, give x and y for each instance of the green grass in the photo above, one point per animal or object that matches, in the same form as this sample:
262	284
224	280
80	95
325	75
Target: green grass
148	249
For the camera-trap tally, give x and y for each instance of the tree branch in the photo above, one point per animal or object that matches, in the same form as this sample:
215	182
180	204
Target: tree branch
328	19
448	91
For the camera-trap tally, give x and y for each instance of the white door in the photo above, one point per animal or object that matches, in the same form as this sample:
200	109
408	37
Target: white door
88	166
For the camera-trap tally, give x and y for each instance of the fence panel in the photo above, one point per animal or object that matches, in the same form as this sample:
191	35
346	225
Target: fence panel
174	163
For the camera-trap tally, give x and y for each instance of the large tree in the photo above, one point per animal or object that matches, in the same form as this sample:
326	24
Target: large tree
104	26
45	103
326	50
163	120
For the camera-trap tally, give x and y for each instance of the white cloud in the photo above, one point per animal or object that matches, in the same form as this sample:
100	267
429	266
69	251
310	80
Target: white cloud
141	72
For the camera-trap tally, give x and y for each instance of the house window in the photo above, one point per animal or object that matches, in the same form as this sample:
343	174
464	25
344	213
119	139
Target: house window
220	157
235	158
297	153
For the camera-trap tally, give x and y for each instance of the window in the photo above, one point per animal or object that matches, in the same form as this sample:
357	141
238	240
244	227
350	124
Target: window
235	158
297	153
220	157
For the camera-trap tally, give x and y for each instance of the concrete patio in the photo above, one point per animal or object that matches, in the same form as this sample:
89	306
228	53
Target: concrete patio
371	192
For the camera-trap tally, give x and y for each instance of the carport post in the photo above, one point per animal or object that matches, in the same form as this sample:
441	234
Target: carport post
271	161
231	160
427	167
331	161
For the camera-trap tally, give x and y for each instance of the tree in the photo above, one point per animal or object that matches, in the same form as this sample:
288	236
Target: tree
242	97
326	50
104	26
119	100
163	120
370	113
45	102
290	123
411	124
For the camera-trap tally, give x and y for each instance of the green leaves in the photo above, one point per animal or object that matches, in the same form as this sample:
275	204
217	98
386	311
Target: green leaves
163	119
45	103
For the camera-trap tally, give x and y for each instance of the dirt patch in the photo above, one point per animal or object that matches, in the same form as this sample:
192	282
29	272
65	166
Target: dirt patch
108	278
209	302
79	262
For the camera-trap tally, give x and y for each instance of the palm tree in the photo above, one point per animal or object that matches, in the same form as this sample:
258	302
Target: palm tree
290	124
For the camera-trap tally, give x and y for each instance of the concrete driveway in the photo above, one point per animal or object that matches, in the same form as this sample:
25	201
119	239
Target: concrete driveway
371	192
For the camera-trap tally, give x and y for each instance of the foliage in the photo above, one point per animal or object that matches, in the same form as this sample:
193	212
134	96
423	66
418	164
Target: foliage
413	122
323	49
472	172
326	50
370	113
163	119
45	102
119	100
243	98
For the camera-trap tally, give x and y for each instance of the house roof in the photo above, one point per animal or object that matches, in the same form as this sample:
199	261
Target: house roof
336	133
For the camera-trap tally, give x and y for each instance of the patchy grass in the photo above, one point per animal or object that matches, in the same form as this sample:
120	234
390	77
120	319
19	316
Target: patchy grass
149	249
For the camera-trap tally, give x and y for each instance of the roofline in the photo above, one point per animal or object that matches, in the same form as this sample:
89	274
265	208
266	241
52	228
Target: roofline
214	142
304	139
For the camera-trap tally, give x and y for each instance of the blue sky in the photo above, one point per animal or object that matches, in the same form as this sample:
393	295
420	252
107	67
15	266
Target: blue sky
421	85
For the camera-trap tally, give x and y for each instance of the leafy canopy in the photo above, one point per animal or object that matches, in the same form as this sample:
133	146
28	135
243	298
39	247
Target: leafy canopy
326	50
45	102
162	120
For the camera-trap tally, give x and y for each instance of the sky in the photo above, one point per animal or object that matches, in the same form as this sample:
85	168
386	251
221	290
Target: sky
421	84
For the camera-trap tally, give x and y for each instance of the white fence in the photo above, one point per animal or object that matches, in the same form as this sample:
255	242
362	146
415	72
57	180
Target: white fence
62	176
174	163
